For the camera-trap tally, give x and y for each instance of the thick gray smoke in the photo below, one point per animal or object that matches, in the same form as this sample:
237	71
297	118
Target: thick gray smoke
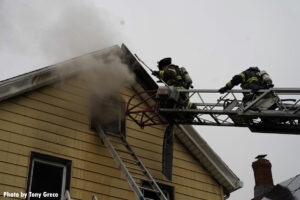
50	31
105	75
45	32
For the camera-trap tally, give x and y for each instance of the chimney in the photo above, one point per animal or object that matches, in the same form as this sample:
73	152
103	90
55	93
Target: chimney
263	176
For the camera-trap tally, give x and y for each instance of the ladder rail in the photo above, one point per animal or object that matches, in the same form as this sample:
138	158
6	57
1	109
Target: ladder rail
67	195
257	100
238	109
119	162
284	91
94	197
147	173
118	159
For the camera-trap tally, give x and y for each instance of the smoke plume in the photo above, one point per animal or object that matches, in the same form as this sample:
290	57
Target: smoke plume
105	75
49	31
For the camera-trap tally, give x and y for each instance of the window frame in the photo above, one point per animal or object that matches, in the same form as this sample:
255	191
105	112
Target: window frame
120	122
164	187
53	161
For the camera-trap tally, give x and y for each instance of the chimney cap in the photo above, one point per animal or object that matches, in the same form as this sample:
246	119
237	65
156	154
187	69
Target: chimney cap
261	156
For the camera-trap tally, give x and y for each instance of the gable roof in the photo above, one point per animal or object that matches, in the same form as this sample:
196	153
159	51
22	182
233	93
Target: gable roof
187	134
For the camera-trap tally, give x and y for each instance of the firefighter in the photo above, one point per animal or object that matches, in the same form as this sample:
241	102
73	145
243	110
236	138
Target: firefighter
252	79
173	76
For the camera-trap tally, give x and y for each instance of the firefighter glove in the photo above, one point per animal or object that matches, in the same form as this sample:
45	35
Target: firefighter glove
155	73
254	89
223	89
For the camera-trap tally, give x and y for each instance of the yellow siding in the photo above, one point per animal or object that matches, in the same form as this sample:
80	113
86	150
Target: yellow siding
54	120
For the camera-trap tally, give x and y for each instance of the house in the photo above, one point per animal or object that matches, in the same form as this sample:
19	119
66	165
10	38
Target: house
46	140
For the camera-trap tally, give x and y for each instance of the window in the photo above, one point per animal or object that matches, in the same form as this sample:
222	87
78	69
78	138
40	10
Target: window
109	113
167	190
49	177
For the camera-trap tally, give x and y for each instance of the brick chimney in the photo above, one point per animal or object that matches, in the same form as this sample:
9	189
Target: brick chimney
263	176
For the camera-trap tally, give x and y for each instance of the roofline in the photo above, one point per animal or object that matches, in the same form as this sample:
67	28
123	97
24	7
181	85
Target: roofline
42	77
211	161
142	77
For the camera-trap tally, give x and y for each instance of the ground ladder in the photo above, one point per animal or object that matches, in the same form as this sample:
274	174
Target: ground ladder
122	153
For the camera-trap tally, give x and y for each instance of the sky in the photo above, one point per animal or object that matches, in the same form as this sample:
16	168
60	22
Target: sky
213	39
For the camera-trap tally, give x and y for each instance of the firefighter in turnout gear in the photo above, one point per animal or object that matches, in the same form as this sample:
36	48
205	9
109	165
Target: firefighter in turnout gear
252	79
172	75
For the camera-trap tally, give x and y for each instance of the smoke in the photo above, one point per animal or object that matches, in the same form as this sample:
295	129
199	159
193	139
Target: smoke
46	32
50	31
105	76
79	28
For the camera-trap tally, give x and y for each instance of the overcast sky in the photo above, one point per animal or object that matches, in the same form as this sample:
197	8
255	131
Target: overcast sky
213	39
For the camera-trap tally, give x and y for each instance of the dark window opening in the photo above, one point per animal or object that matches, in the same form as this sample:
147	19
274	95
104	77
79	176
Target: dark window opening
49	177
109	113
166	189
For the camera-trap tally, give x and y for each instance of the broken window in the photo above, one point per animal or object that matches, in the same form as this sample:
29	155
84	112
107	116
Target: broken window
109	113
49	177
166	189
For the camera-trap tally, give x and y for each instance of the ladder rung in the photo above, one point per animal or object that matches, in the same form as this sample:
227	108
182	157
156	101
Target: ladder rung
113	134
148	180
117	141
137	169
149	189
128	159
124	151
133	160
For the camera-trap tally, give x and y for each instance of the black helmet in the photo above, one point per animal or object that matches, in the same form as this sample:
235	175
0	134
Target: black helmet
254	68
164	62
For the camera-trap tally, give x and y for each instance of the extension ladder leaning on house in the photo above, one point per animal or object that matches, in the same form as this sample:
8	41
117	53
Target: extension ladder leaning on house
117	144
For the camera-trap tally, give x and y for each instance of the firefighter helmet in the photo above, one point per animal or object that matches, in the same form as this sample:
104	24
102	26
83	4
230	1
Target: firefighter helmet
164	62
253	68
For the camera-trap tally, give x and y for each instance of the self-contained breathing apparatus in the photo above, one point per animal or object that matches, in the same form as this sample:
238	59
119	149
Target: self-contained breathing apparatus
270	100
186	78
266	79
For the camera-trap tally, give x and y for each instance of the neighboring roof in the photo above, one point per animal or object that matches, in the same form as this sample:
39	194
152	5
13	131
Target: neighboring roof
287	190
188	136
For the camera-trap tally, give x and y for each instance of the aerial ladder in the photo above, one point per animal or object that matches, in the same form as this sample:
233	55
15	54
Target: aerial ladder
275	110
